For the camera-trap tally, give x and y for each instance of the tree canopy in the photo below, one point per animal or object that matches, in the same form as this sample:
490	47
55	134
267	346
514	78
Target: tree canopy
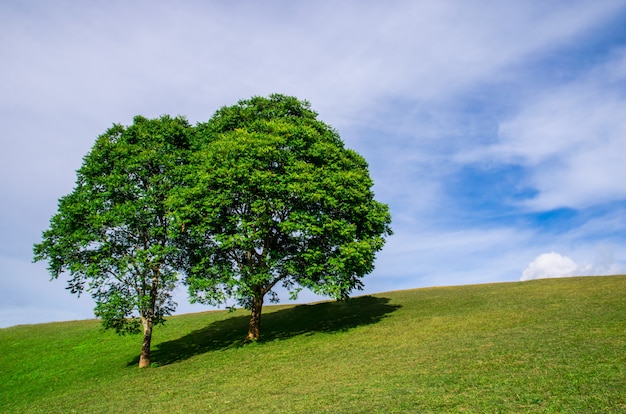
272	197
260	196
114	234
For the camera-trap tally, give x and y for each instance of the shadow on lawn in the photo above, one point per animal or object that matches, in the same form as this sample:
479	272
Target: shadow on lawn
282	324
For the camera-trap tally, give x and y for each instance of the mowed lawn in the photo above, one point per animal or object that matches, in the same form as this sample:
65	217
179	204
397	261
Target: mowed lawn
554	345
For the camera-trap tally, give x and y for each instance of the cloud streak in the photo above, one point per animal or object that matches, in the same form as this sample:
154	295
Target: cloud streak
571	137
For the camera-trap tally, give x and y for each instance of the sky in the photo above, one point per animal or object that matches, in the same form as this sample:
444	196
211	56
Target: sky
494	130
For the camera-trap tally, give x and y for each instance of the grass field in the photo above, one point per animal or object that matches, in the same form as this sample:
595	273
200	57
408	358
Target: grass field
546	346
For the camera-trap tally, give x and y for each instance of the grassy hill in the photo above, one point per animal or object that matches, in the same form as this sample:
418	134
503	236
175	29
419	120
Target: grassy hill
555	345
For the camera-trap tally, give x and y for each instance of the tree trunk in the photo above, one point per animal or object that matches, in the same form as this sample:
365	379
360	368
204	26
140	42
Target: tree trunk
144	358
254	330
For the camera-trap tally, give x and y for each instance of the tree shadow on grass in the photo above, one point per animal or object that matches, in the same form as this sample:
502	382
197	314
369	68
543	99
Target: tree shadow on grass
327	317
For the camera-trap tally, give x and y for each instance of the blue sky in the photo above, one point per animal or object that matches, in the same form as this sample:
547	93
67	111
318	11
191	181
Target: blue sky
494	130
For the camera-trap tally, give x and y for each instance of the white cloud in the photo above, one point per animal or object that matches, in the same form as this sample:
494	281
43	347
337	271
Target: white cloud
554	265
136	56
549	265
572	138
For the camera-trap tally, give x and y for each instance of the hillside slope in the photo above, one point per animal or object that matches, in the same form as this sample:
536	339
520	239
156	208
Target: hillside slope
554	345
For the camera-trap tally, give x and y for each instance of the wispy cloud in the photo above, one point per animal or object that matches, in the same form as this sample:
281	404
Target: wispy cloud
572	138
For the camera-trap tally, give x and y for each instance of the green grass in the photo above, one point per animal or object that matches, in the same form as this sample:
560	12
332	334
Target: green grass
555	345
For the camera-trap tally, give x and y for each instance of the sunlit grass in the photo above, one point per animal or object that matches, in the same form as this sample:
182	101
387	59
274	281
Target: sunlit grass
541	346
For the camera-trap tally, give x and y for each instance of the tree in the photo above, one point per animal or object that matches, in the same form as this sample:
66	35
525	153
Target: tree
114	233
274	198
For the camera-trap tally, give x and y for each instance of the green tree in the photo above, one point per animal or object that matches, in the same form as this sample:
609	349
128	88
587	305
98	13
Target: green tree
275	198
114	233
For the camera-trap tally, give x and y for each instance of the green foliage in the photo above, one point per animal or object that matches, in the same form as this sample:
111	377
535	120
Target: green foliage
546	346
113	234
274	197
261	194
